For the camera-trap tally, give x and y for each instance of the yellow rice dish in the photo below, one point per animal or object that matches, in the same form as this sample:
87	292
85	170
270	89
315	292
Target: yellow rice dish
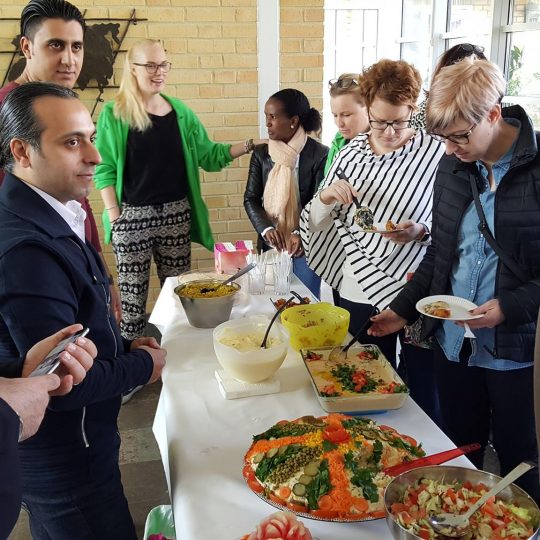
206	289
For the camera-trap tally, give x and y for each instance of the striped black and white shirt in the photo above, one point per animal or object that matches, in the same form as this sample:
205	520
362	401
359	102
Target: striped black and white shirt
396	186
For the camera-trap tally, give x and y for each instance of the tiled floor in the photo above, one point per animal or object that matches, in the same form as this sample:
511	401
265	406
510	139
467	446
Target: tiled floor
140	462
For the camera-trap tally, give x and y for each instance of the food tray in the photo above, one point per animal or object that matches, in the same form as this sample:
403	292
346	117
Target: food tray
390	391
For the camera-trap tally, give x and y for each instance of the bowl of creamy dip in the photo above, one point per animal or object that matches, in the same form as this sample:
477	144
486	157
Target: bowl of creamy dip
237	344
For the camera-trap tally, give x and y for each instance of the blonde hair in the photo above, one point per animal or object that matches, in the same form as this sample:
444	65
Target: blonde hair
128	102
466	90
394	81
354	89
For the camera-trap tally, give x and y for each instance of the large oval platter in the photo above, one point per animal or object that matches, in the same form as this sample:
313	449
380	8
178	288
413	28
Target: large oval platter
327	468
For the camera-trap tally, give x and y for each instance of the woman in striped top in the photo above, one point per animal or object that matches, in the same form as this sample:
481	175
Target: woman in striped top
390	170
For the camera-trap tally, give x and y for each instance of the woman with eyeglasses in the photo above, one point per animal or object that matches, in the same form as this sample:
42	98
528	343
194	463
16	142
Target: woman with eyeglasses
283	177
349	112
389	170
451	56
152	146
486	248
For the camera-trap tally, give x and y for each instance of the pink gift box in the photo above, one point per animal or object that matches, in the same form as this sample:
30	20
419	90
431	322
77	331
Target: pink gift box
229	257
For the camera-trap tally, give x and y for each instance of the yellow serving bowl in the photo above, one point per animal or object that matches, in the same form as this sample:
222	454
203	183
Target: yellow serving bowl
316	325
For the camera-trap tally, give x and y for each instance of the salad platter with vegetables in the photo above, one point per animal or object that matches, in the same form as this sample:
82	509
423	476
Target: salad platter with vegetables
327	468
414	496
362	382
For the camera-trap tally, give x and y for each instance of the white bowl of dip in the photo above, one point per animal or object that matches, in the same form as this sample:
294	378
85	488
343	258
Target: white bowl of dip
237	344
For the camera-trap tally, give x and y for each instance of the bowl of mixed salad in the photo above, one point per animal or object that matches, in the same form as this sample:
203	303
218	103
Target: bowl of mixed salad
415	495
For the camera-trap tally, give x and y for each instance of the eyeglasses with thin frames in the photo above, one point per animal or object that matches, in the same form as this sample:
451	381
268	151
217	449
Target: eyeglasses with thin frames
152	68
343	82
456	138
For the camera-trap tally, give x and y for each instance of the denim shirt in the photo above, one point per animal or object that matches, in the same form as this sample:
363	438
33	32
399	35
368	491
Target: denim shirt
474	273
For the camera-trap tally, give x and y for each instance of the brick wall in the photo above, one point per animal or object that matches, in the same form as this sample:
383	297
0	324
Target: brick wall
212	45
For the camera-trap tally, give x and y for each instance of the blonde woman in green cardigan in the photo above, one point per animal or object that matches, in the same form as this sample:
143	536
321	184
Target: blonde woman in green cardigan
349	112
152	146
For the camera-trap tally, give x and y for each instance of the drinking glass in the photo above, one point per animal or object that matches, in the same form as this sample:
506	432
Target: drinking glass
282	273
257	278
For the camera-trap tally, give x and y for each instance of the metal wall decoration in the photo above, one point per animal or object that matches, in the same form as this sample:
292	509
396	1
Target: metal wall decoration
102	43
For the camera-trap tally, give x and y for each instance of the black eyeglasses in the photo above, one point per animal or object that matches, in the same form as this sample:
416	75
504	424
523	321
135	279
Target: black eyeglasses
152	68
469	48
343	82
456	138
396	125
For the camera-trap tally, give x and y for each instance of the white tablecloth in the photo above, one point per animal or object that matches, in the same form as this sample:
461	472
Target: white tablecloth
203	437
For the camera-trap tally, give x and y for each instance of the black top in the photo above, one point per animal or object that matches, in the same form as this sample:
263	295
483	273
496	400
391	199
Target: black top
155	170
10	473
310	175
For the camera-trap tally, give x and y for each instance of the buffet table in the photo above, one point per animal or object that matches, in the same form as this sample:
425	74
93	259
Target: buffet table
203	437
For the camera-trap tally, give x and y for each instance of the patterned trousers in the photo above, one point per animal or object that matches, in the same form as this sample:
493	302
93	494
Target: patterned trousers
159	230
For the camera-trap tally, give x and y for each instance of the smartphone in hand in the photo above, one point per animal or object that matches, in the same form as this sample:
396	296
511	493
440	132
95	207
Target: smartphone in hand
52	360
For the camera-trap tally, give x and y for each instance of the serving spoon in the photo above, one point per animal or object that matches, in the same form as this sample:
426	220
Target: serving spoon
276	315
339	353
240	272
458	525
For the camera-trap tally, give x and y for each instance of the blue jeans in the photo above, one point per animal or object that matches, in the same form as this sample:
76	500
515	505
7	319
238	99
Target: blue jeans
88	512
307	276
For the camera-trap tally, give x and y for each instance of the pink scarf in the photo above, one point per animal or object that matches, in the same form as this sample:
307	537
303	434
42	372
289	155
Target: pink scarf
279	199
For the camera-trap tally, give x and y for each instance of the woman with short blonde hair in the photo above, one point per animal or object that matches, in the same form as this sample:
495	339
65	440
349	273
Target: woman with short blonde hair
468	90
486	250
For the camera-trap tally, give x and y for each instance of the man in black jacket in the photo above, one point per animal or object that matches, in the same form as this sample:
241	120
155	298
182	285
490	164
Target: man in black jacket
50	278
23	402
486	382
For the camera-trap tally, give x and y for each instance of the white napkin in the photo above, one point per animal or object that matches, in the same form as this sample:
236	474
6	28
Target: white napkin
231	388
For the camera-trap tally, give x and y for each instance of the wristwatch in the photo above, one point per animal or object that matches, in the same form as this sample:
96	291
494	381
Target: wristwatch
427	234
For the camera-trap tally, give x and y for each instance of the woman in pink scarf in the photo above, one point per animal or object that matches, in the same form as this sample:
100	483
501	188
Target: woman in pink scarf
283	177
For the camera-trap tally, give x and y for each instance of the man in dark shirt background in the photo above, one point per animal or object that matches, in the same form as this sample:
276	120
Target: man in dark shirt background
52	36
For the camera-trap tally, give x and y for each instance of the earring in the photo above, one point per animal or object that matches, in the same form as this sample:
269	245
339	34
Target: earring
292	126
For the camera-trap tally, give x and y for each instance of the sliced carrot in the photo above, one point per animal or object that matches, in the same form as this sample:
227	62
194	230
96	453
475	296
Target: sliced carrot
325	502
284	492
360	504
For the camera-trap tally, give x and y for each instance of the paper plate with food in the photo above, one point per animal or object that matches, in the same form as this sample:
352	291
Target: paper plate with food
328	468
443	306
364	220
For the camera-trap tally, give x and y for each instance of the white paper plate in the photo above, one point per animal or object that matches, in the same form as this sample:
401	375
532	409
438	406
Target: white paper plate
459	307
380	228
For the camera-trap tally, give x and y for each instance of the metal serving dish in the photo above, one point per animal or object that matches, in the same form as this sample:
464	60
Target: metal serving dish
395	490
207	312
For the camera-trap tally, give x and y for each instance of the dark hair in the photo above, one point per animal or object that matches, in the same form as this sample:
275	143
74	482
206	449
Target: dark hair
36	11
456	53
18	119
295	103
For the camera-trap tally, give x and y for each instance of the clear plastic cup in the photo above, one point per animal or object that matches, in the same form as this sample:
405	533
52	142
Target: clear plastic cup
257	279
282	273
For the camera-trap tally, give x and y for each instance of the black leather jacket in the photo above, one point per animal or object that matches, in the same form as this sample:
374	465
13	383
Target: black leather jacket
310	175
517	231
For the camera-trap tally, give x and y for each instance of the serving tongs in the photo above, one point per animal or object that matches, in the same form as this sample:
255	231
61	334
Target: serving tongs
433	459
